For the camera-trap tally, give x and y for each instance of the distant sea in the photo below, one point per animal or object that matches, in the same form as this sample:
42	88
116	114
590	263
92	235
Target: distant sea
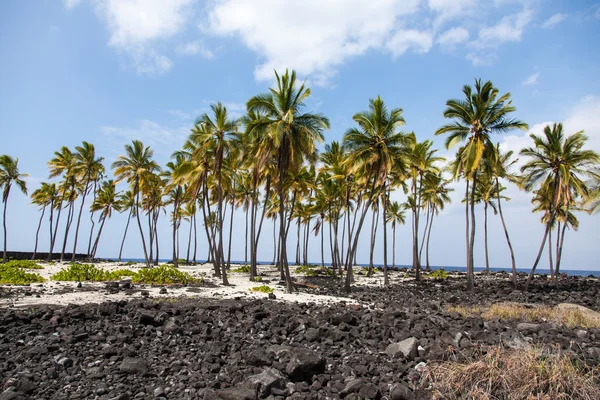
570	272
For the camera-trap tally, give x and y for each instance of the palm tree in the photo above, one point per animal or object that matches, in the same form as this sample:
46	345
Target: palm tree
592	202
88	168
559	162
481	113
436	196
175	190
106	201
395	215
374	148
294	136
43	197
9	174
422	160
486	192
219	131
136	166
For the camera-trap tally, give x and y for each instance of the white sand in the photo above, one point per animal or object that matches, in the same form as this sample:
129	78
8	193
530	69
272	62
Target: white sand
94	292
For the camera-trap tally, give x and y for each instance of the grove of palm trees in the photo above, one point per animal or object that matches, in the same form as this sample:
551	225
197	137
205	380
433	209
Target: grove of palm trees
267	164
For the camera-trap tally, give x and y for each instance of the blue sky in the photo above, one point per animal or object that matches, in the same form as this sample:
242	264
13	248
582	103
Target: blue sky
109	71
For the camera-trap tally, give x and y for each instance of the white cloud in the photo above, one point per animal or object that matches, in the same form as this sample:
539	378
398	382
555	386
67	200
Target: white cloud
195	47
404	40
450	38
450	9
554	20
136	25
585	116
481	59
313	36
71	3
149	132
509	29
532	79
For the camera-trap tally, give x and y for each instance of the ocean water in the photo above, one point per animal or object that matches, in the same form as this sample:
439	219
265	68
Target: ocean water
570	272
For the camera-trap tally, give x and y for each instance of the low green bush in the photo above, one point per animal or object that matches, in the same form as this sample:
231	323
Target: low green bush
81	272
10	275
28	264
438	274
257	279
164	274
243	269
263	289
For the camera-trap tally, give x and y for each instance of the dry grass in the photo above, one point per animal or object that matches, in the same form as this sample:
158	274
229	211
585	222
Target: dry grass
571	317
510	374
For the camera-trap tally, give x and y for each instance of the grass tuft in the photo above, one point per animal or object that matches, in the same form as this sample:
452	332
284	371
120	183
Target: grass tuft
242	269
263	289
570	317
510	374
437	274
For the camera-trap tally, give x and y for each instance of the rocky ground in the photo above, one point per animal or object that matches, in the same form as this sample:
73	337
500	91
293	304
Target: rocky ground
375	346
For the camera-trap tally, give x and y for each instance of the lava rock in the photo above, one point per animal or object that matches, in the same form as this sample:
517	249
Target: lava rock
304	364
408	348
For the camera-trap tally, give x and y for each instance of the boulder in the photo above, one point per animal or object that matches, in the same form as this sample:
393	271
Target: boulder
265	381
401	392
528	328
304	364
408	348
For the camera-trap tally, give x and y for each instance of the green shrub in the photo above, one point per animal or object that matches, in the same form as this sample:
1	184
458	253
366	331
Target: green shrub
263	289
11	275
81	272
120	273
164	274
257	279
22	264
130	263
243	269
438	274
181	261
314	270
304	269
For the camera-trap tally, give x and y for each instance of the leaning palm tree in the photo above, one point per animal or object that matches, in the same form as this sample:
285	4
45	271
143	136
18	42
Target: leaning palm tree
481	113
9	174
88	168
561	163
396	215
43	197
127	202
436	194
294	134
136	166
175	190
107	200
374	148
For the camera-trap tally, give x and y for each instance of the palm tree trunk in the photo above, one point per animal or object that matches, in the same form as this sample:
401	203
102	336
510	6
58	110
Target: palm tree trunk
282	200
195	236
230	232
4	258
322	242
175	263
151	236
343	239
560	248
374	220
306	237
53	237
125	234
37	233
485	238
428	267
67	228
137	215
298	243
220	257
427	219
550	263
155	227
512	253
49	258
386	278
275	243
470	260
546	231
393	245
84	194
189	245
246	239
95	248
89	250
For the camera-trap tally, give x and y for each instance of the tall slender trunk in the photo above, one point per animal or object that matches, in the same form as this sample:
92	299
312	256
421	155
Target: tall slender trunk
512	253
4	258
230	232
67	228
155	225
394	245
246	239
298	243
84	194
485	237
427	220
322	242
306	237
37	233
546	231
175	217
92	223
282	228
343	239
189	245
275	243
374	221
195	236
53	237
415	225
125	234
151	236
95	248
386	278
560	248
470	260
428	267
137	215
219	251
550	263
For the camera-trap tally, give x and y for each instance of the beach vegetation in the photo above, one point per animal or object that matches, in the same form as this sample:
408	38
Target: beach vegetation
13	273
262	289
